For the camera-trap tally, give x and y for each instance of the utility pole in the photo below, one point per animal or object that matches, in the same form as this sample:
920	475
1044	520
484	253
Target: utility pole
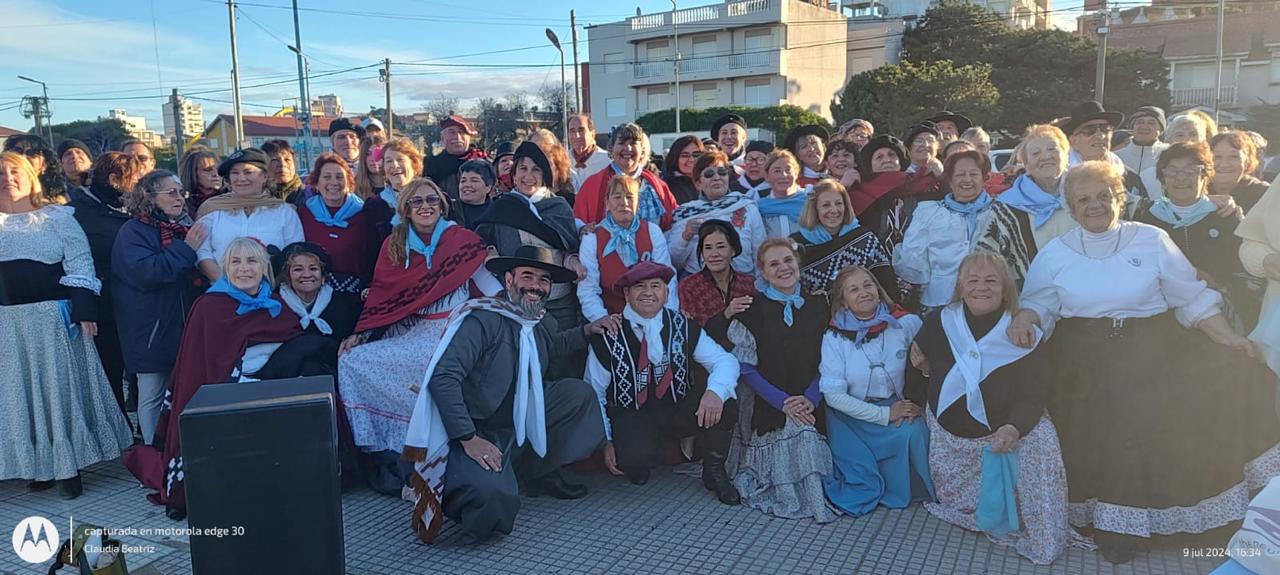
386	77
235	76
37	111
676	34
41	106
1217	84
179	139
577	82
1103	20
303	116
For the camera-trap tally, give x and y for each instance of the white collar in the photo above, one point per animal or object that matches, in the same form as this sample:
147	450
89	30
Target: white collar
306	317
975	360
651	332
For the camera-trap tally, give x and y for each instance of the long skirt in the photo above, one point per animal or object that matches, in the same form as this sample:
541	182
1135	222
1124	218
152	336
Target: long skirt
378	383
57	411
1041	491
1163	431
877	464
780	472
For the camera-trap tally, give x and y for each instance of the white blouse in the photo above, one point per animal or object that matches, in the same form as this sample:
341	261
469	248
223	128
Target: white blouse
932	249
849	376
1131	271
590	291
275	226
751	233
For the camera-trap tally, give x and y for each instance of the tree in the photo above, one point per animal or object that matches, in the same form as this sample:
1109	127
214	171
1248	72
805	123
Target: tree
1265	119
100	135
549	96
776	119
895	97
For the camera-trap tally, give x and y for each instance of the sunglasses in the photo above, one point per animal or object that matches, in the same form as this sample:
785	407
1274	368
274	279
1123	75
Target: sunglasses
1171	172
713	172
420	201
176	193
30	152
1094	129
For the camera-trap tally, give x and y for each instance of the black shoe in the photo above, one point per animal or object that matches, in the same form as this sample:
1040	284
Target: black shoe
35	486
639	477
1117	548
554	485
714	478
175	514
70	488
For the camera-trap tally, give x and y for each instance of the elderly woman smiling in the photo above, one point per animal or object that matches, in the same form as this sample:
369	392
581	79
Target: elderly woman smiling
1131	379
619	242
782	207
629	148
1037	194
334	219
715	201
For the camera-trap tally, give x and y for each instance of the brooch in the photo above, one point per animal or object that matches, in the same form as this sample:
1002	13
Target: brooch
1213	232
973	354
1135	262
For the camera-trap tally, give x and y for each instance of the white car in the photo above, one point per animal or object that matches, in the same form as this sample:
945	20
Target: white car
999	158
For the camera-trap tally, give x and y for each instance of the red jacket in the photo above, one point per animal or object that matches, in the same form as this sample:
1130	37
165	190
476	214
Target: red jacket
589	205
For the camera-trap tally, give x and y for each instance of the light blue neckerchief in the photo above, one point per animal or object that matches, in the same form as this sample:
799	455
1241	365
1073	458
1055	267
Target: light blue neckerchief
997	511
350	207
1028	197
622	240
790	206
819	235
1163	210
846	321
413	242
247	302
970	211
790	302
388	195
650	208
73	329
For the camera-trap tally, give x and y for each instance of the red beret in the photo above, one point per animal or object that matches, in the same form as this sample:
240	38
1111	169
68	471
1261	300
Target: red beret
644	270
459	121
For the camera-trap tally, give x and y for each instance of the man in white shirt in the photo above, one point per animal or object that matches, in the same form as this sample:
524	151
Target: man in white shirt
649	390
1144	148
588	158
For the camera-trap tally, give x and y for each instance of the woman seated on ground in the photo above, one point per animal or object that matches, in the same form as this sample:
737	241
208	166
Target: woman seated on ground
616	244
230	336
991	400
678	169
427	267
779	458
248	210
809	145
476	183
327	316
1235	157
715	201
1129	378
967	219
717	285
878	441
401	164
155	283
781	209
832	239
334	219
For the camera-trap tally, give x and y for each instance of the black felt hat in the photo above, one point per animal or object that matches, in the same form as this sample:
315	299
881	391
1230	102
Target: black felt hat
801	131
251	156
724	120
534	257
962	123
1088	112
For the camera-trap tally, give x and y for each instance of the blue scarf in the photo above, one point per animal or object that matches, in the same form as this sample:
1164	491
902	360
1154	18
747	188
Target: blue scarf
413	242
622	240
1028	197
1162	209
247	302
388	195
970	211
790	302
819	235
846	321
650	208
790	206
350	207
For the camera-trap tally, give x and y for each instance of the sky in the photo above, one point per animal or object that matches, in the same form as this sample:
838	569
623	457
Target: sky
96	55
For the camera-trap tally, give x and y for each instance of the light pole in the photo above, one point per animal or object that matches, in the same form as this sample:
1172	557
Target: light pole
564	88
676	36
47	119
304	94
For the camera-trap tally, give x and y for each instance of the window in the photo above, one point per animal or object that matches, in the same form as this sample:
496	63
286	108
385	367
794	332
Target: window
657	50
615	107
705	96
657	98
758	92
704	45
757	40
613	63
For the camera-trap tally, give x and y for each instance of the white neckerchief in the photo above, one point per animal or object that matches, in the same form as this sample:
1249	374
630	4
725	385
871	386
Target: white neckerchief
538	195
294	302
753	192
975	360
812	174
652	330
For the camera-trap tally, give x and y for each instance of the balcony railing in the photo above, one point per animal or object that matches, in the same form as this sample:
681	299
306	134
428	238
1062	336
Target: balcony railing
1187	97
734	64
651	69
753	60
699	14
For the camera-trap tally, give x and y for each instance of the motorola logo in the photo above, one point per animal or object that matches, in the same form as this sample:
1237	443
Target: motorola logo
35	539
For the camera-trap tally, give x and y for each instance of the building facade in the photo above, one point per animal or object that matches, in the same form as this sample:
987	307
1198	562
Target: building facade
220	136
190	116
135	126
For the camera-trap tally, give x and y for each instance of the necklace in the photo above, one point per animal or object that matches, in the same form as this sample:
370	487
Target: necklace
876	363
1084	246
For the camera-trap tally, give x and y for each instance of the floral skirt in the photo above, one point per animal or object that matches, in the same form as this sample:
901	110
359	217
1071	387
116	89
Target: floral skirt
956	463
57	412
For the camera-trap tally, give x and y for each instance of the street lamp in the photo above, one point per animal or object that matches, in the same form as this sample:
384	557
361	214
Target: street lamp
304	94
564	88
44	108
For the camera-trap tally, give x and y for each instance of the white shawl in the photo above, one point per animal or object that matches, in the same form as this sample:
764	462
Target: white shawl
294	302
975	360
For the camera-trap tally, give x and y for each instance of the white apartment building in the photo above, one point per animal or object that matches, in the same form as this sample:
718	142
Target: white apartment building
190	117
135	126
741	52
1020	14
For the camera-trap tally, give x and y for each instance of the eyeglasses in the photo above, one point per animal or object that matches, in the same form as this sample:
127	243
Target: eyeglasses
176	193
420	201
713	172
1094	129
31	152
690	155
1194	171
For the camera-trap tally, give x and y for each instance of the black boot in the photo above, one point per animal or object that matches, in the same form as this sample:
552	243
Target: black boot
70	488
714	478
637	476
40	485
554	485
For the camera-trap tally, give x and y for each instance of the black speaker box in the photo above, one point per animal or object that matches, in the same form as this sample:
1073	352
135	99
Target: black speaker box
261	466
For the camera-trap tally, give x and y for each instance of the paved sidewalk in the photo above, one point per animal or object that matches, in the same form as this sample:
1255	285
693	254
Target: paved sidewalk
670	525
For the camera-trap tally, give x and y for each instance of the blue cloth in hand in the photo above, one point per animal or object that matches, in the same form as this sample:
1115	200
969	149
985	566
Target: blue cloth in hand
997	498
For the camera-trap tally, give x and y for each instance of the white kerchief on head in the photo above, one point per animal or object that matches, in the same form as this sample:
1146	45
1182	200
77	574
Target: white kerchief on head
652	328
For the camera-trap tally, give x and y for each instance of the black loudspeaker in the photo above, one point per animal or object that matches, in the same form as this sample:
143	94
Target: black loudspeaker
261	467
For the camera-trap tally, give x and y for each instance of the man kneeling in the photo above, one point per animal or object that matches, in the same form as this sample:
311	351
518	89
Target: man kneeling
650	390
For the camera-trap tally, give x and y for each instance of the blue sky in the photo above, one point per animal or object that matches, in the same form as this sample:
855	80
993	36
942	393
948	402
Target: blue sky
101	54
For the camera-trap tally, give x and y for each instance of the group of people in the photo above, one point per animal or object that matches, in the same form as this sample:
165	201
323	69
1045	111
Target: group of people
1077	350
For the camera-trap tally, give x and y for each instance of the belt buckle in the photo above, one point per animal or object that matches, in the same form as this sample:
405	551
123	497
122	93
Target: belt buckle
1117	327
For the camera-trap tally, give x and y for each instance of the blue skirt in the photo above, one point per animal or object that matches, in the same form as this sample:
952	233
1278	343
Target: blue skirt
877	464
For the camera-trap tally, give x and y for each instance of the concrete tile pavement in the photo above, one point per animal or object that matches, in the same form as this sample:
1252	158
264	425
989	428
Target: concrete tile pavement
671	525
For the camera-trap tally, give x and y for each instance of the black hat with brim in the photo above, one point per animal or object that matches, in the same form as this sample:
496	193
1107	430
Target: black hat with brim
504	149
962	122
1088	112
345	124
877	142
251	156
724	120
532	257
925	127
799	132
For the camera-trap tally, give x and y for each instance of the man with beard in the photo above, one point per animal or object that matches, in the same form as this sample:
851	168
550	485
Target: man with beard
344	138
486	421
456	134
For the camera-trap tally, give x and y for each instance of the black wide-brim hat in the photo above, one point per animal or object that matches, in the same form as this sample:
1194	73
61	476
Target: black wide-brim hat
534	257
801	131
961	121
1088	112
724	120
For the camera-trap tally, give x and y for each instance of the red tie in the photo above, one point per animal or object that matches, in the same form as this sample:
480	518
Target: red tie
662	386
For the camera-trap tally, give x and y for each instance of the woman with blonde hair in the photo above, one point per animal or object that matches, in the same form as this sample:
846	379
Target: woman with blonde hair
57	395
249	209
782	207
369	177
1036	195
401	164
833	239
620	241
